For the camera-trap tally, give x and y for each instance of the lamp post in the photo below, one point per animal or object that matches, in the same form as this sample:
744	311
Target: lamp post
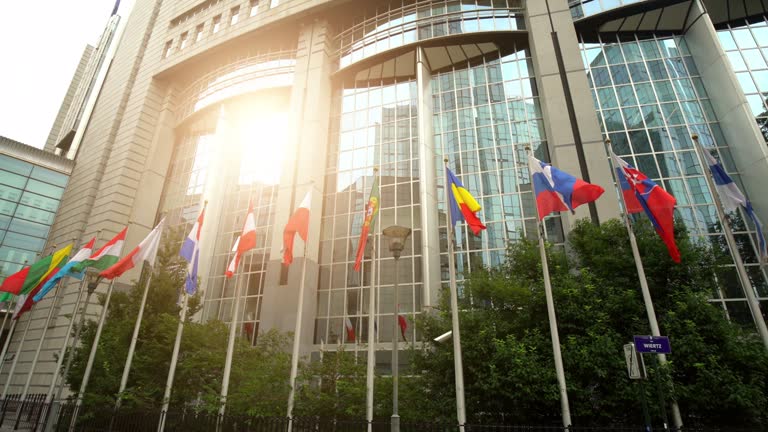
397	236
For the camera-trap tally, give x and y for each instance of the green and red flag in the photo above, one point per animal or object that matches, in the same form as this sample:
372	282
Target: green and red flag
13	283
371	210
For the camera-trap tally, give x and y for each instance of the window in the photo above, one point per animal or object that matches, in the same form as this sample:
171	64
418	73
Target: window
274	3
254	7
235	15
199	32
183	40
216	24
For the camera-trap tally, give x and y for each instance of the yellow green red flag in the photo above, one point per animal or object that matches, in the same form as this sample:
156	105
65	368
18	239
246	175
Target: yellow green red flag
41	269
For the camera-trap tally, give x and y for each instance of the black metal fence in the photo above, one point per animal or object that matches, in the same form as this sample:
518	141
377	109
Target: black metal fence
35	415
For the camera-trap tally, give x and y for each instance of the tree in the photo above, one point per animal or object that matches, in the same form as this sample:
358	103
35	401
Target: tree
719	370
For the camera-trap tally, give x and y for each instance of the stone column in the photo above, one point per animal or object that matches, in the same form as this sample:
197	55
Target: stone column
560	84
303	169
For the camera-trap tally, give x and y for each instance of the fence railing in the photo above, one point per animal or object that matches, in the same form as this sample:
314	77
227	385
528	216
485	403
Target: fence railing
34	415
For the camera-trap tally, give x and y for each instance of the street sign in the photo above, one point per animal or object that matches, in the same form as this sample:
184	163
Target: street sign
635	366
652	344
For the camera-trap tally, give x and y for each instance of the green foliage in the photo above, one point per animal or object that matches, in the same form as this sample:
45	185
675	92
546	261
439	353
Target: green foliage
720	371
260	373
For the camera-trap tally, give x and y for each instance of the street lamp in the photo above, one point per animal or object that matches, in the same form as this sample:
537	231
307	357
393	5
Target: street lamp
397	236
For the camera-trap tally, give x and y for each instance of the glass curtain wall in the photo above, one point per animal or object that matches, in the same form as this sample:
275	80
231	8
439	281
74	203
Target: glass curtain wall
29	198
650	99
746	45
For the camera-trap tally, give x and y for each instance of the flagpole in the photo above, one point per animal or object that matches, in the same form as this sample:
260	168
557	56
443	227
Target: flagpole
676	416
76	336
746	284
230	349
134	339
10	334
565	407
297	341
458	367
16	358
2	326
371	366
174	361
91	357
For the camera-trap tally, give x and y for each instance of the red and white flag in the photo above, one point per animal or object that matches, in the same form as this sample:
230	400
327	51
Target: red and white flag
145	251
350	329
401	321
245	242
298	223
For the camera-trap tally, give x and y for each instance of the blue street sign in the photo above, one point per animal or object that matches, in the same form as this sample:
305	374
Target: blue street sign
652	344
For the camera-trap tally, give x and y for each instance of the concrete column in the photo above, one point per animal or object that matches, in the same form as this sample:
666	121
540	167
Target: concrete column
543	19
430	240
303	169
738	124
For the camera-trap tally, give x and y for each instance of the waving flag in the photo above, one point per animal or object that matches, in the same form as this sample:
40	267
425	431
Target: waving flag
190	251
641	194
41	270
401	321
557	190
13	283
65	271
145	251
731	198
371	210
298	223
463	205
350	329
245	242
106	256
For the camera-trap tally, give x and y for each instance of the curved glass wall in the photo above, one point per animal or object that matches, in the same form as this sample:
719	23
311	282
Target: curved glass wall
650	99
425	20
484	113
746	45
228	155
586	8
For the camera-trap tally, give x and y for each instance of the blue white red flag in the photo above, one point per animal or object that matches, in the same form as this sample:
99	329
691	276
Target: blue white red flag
557	190
641	194
190	251
731	198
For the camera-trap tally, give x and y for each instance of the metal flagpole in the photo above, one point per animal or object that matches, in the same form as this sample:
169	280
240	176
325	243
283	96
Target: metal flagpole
134	339
461	413
230	349
297	341
16	357
746	284
676	416
10	335
565	407
2	326
91	287
371	366
91	357
174	361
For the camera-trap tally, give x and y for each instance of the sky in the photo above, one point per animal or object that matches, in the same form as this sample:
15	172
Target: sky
40	46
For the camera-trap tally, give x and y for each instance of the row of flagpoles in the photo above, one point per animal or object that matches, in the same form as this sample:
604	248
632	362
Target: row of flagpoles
554	191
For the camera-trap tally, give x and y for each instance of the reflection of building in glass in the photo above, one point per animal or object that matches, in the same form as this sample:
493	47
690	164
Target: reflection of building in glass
294	96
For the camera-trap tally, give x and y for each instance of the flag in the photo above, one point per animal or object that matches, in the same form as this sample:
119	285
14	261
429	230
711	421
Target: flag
106	256
190	251
145	251
245	242
641	194
403	326
350	329
557	190
66	270
13	283
298	223
463	205
371	210
40	270
731	198
26	301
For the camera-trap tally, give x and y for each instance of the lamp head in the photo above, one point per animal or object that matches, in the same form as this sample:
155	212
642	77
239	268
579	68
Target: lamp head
397	236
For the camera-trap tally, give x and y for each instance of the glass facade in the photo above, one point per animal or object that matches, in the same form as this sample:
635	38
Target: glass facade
746	45
29	198
586	8
650	99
